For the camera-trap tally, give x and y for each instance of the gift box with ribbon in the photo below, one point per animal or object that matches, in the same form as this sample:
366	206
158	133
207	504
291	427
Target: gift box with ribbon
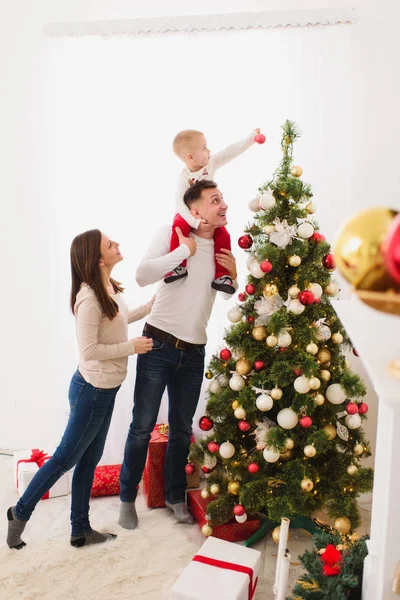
229	570
106	480
232	531
27	463
153	476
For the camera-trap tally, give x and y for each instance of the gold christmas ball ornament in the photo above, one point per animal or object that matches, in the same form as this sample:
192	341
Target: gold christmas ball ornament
330	431
358	449
235	404
294	260
352	469
289	444
272	341
311	208
306	485
325	375
270	289
312	348
310	451
207	530
276	534
314	383
268	229
204	493
294	291
209	375
276	393
259	333
243	366
324	355
285	456
342	525
233	487
337	338
296	171
319	399
214	489
332	289
239	413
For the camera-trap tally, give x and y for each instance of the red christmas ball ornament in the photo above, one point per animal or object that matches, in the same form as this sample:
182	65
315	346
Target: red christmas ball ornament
329	262
206	423
244	425
239	510
250	319
213	447
363	408
250	289
317	300
258	365
190	469
355	352
306	297
245	241
206	470
281	349
242	297
266	266
391	249
305	422
253	468
298	372
351	408
317	237
260	138
225	354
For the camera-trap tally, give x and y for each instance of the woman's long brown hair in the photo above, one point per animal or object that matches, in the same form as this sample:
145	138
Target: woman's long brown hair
85	268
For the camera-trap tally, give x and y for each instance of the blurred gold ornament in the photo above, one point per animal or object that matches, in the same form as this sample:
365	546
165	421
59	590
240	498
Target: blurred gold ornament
394	368
294	260
204	493
207	530
270	289
337	338
312	348
233	487
352	469
235	404
296	171
311	208
285	456
240	413
276	393
353	537
209	375
214	489
314	383
276	534
294	291
310	451
235	463
268	229
306	485
287	140
342	525
358	449
289	444
332	289
330	431
259	333
319	399
243	366
325	375
324	355
272	341
347	364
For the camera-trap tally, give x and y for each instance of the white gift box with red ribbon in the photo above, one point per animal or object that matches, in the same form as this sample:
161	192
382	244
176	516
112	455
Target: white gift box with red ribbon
228	569
26	465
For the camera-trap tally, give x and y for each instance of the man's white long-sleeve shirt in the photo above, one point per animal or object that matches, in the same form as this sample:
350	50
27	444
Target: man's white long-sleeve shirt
181	308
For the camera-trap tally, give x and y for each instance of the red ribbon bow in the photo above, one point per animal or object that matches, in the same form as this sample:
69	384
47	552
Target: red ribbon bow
213	562
331	559
39	457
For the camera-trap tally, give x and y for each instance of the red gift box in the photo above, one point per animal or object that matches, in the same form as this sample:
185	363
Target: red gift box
230	532
106	481
153	476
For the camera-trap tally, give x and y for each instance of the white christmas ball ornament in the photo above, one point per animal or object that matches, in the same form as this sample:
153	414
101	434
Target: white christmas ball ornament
240	413
287	418
267	200
215	386
223	380
332	289
276	393
241	518
294	291
305	230
236	382
268	229
227	450
255	270
335	393
312	348
272	341
271	454
325	375
264	402
235	314
353	421
337	338
352	469
296	307
322	333
314	383
204	493
284	339
316	289
311	208
254	204
319	399
302	384
310	451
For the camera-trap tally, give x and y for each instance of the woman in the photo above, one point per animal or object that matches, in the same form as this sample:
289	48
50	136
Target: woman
102	319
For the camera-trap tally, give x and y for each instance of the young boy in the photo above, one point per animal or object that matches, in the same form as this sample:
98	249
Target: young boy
191	147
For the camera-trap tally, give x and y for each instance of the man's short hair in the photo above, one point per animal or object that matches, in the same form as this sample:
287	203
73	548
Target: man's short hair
193	193
182	141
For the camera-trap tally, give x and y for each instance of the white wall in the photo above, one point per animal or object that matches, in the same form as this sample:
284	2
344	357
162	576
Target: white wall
348	153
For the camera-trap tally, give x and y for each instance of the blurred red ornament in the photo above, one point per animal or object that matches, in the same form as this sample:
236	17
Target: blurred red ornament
213	447
363	408
239	510
225	354
282	349
250	289
317	237
306	297
266	266
298	372
305	422
190	469
206	423
253	468
260	138
242	297
258	365
206	469
317	300
244	425
355	352
250	319
329	262
351	408
391	249
245	241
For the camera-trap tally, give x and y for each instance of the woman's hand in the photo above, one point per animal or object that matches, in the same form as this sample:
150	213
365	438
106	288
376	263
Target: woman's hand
143	345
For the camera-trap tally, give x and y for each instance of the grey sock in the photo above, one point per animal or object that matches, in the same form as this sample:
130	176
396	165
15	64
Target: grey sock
15	529
94	537
182	515
128	518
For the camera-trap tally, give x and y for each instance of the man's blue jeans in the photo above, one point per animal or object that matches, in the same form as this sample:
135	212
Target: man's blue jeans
82	445
181	372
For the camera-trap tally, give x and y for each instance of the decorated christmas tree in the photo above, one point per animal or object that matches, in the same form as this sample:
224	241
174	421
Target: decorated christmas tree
284	410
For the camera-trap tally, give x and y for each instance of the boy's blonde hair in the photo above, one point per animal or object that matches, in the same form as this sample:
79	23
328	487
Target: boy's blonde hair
183	140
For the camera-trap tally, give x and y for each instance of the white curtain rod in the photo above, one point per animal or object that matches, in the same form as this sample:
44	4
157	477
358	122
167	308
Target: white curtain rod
218	22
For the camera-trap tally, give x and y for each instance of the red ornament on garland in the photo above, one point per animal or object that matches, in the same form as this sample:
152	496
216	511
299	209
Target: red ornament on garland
190	469
250	289
239	510
355	352
245	241
329	262
253	468
206	470
244	425
260	138
363	408
282	349
242	297
317	237
331	560
206	423
266	266
258	365
306	297
250	319
225	354
305	422
298	372
213	447
351	408
317	300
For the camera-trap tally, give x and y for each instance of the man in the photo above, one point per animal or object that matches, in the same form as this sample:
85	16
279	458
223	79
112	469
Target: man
177	325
